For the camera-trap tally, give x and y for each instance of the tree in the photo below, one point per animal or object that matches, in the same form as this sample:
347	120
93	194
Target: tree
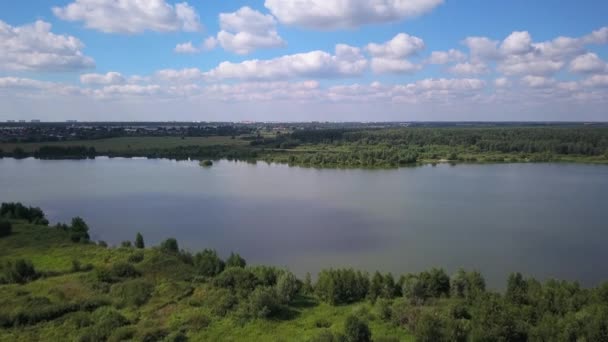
517	289
235	260
169	246
356	330
79	230
430	328
307	287
287	287
139	241
375	287
5	228
208	263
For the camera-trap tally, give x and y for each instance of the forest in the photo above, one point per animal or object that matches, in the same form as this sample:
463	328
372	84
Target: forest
58	284
354	147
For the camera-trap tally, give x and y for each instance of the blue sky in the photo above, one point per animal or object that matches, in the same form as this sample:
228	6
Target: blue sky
95	60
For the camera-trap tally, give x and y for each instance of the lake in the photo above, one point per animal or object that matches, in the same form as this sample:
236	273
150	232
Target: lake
544	220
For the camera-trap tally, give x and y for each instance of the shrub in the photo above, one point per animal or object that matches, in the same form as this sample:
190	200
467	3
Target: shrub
5	228
136	257
262	303
287	287
132	293
342	286
79	231
430	328
240	280
126	244
18	211
139	241
198	321
124	270
107	322
169	246
220	301
327	336
355	330
208	263
322	323
235	260
20	271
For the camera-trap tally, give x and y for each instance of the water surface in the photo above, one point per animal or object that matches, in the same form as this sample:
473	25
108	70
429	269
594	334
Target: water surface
545	220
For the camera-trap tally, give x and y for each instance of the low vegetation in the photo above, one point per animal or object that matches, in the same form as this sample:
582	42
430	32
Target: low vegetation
54	286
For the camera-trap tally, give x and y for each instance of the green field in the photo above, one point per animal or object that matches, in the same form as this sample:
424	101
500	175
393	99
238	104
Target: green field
173	305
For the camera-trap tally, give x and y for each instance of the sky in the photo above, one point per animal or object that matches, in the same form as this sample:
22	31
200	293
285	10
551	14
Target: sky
304	60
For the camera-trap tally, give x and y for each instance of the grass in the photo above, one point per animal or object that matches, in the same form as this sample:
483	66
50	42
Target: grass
169	308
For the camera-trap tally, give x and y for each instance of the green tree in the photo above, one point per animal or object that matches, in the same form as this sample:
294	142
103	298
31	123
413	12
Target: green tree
430	327
139	241
287	287
356	330
79	230
517	289
169	246
235	260
307	287
208	263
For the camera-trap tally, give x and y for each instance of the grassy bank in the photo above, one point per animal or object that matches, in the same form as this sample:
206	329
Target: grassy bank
56	284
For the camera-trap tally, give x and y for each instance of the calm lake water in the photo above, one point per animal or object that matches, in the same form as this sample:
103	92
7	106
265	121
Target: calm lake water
545	220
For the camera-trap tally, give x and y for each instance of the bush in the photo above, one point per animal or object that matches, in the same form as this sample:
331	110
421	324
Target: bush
132	293
107	322
322	323
5	228
262	303
287	287
136	257
139	241
208	263
220	301
430	328
126	244
327	336
18	211
355	330
79	231
235	260
239	280
342	286
20	271
169	246
124	270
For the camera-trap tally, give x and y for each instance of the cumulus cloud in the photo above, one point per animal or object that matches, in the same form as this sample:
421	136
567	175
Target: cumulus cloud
188	48
588	63
179	76
131	16
502	82
538	81
445	57
347	61
469	68
247	30
34	47
389	57
323	14
102	79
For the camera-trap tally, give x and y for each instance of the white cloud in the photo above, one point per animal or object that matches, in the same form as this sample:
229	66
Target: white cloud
401	46
186	48
324	14
482	48
502	82
517	43
388	65
445	57
131	16
596	81
34	47
538	81
588	63
179	76
264	91
247	30
347	62
210	43
102	79
469	68
389	57
597	37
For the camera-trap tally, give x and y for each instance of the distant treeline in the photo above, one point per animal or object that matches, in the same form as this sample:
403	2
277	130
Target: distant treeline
386	147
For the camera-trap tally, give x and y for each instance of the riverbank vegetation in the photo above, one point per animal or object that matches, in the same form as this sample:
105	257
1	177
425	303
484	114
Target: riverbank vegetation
351	147
56	287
